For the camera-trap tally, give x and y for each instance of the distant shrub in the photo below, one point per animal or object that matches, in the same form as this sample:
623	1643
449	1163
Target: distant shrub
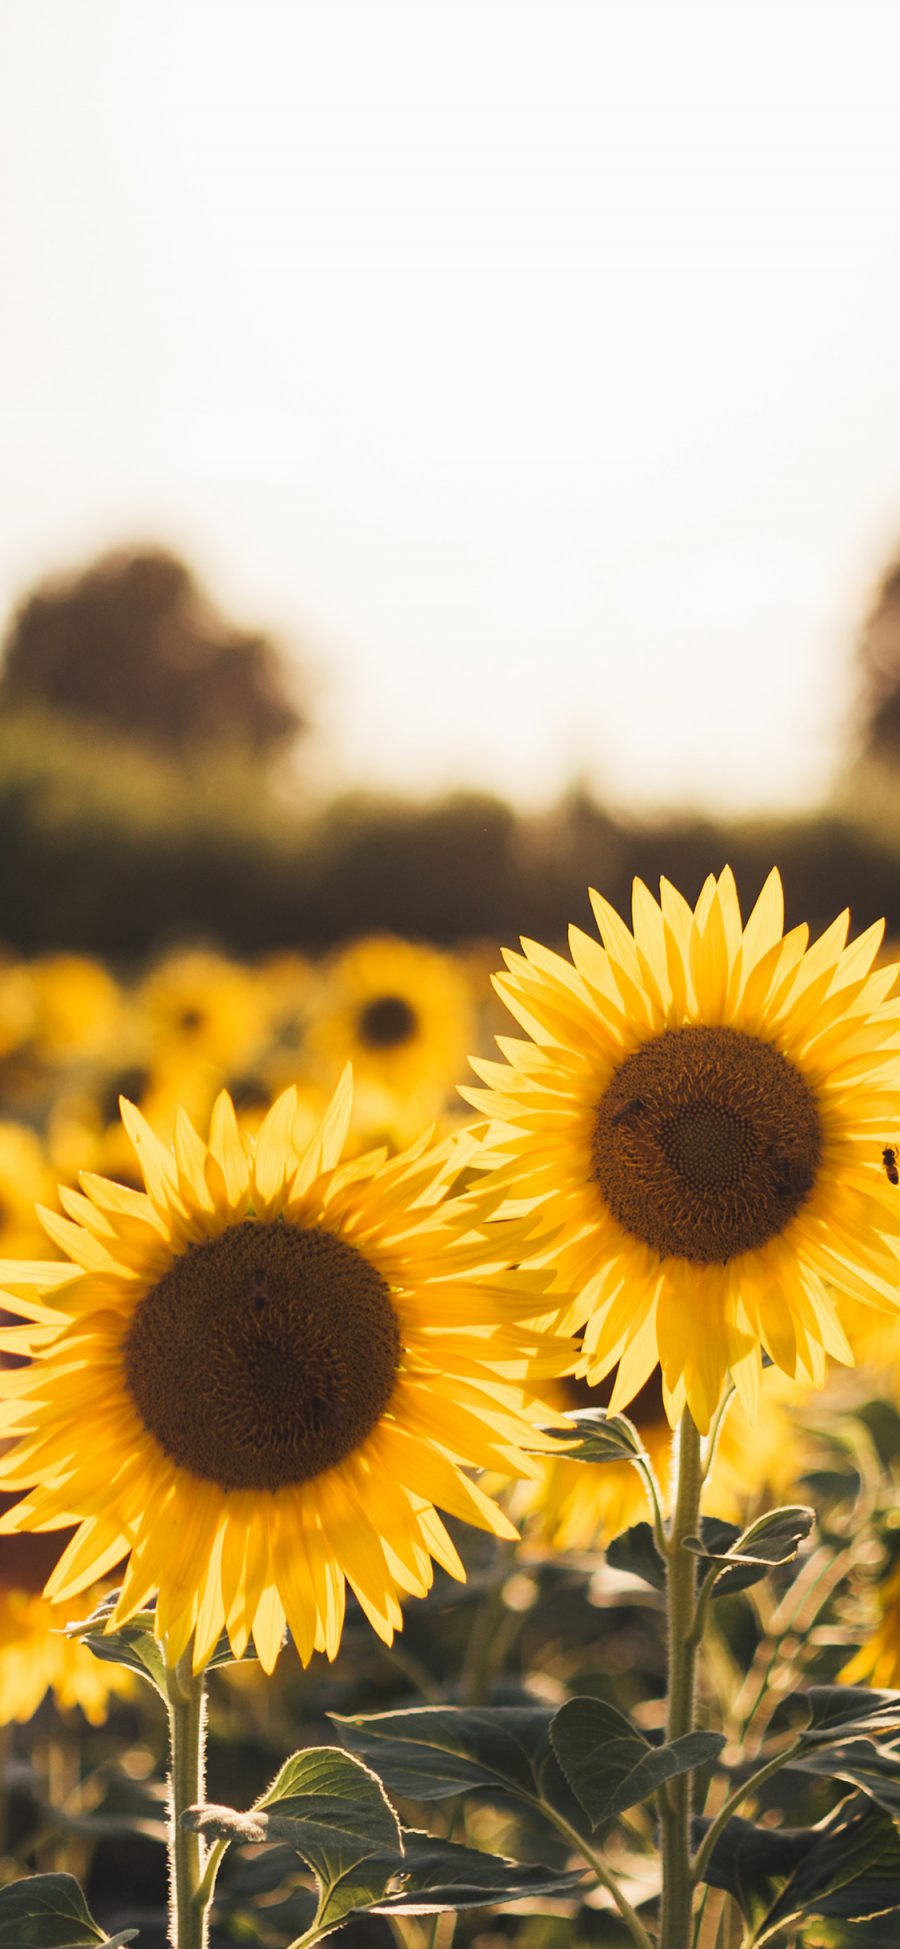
109	850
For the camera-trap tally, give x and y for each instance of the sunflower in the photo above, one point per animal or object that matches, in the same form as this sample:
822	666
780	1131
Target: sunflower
79	1008
260	1376
201	1011
698	1118
36	1656
401	1013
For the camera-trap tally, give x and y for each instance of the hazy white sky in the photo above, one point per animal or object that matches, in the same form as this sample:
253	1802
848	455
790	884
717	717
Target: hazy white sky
537	361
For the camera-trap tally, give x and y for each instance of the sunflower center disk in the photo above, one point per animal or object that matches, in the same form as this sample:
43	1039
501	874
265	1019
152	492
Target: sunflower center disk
706	1143
386	1022
264	1356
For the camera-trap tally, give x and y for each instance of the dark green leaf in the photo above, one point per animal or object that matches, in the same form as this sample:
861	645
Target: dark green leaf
430	1752
853	1873
773	1539
876	1769
636	1553
834	1713
716	1538
600	1437
437	1874
50	1912
329	1808
847	1868
334	1812
430	1875
610	1765
754	1863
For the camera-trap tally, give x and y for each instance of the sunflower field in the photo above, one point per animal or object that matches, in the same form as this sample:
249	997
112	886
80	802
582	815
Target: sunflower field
451	1438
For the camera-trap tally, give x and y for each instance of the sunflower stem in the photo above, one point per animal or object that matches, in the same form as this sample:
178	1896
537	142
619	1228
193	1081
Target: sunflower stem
681	1584
189	1895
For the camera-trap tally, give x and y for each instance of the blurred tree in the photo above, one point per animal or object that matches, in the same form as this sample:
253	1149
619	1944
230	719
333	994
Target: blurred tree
133	643
879	661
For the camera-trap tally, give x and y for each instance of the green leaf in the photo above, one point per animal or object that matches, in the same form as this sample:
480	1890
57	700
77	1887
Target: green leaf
430	1752
437	1874
831	1714
600	1437
847	1868
429	1876
335	1813
876	1769
716	1538
754	1864
609	1763
636	1553
50	1912
136	1645
773	1539
853	1873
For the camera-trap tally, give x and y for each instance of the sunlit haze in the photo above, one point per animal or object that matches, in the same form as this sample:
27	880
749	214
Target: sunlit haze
532	368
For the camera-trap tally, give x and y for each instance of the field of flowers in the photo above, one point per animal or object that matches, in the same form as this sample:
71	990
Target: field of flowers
670	1205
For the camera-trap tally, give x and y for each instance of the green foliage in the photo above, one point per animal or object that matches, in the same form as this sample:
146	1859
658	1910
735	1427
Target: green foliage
50	1912
332	1810
437	1874
600	1437
748	1555
636	1553
334	1813
430	1752
610	1764
876	1770
745	1555
848	1868
827	1714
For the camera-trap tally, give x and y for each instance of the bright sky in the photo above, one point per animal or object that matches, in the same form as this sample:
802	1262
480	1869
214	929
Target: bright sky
538	362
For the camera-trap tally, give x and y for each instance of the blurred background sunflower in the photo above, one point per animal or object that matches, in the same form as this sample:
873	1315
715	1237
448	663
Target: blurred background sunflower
37	1656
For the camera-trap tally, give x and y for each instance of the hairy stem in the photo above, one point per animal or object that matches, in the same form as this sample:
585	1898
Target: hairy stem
681	1583
189	1893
